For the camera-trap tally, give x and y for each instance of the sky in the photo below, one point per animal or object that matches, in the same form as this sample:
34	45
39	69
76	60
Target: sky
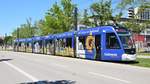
13	13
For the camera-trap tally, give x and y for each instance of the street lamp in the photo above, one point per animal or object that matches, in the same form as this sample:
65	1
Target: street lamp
31	31
76	18
75	28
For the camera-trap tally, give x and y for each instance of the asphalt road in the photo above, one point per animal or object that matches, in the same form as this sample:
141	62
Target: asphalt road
17	67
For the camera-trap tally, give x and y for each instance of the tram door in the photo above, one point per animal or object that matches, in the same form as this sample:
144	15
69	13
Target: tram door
98	47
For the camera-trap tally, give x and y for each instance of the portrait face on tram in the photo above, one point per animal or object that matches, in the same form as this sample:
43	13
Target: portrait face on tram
90	43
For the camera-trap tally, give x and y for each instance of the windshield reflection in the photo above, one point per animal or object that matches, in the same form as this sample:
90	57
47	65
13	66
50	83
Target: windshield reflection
127	42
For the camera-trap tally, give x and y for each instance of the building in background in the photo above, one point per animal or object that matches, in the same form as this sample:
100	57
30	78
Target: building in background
131	13
143	38
143	14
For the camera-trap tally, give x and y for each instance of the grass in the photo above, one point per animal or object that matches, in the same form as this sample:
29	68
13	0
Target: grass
143	62
144	54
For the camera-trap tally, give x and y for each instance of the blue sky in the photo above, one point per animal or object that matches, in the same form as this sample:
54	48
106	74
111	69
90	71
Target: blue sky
15	12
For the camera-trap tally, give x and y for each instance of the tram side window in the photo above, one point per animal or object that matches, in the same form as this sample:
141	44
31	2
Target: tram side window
60	43
82	43
68	42
49	44
19	44
27	44
63	43
41	44
112	41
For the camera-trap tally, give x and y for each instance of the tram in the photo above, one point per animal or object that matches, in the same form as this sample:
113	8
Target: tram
109	43
105	43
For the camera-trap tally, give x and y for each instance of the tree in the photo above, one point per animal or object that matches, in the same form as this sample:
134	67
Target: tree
118	17
102	10
8	40
85	19
58	19
68	11
134	3
36	29
135	27
1	41
47	26
26	30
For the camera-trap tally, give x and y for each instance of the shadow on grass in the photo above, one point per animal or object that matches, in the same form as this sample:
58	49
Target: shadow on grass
52	82
1	60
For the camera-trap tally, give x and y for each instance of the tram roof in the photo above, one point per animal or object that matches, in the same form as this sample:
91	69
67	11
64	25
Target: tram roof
89	31
20	40
64	35
48	37
38	38
28	39
95	31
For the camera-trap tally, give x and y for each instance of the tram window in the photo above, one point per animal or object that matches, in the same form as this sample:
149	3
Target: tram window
22	44
49	42
68	42
19	44
27	44
41	44
82	43
15	44
60	43
112	41
63	43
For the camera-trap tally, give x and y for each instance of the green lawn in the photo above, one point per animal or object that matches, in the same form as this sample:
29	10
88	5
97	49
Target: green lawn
144	62
144	54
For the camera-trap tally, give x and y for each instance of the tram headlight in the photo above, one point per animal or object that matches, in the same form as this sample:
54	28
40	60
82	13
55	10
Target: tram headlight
128	57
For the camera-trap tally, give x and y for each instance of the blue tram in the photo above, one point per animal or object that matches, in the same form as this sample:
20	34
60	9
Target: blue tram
100	43
105	43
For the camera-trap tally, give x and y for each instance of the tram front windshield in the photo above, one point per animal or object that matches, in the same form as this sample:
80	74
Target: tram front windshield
127	41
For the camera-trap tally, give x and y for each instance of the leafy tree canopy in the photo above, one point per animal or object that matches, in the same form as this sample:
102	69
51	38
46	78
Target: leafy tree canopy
102	9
